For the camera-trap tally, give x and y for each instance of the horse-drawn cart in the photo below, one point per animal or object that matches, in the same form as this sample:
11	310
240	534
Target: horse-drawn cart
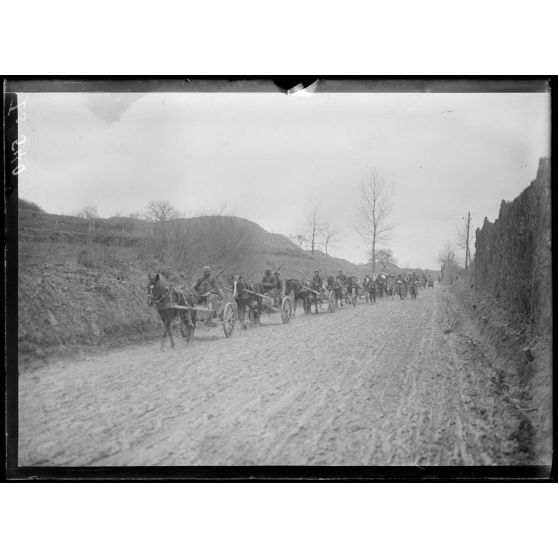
205	315
322	298
173	303
347	296
271	305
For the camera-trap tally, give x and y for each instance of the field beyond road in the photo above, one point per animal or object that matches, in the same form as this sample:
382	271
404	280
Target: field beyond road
396	383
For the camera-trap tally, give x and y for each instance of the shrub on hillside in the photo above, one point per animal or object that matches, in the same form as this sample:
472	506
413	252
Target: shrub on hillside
27	204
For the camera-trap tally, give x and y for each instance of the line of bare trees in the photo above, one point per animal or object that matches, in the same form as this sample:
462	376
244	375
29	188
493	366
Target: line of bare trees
372	223
319	233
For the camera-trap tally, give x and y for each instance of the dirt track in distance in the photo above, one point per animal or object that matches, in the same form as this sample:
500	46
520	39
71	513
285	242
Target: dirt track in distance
395	383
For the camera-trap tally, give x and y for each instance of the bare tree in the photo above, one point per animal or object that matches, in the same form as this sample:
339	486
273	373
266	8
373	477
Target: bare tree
330	235
161	211
299	239
447	254
384	257
88	212
372	219
448	262
314	228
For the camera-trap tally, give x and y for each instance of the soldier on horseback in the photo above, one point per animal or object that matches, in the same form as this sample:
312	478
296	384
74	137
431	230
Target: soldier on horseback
208	290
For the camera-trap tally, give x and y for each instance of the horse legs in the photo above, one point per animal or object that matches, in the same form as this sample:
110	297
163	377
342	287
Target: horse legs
168	328
242	314
164	336
185	321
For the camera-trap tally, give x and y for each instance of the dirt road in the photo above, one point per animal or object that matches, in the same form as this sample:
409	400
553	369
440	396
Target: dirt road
395	383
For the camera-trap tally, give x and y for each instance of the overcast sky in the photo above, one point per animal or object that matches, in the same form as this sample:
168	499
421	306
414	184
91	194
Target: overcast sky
269	157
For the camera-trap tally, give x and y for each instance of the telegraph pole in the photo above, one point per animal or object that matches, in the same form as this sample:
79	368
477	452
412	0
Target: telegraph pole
467	254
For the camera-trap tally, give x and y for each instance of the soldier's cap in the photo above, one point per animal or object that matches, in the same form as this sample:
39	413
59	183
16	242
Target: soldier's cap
206	268
268	270
316	271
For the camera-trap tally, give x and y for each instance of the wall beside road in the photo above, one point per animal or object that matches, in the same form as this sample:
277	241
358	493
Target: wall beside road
513	255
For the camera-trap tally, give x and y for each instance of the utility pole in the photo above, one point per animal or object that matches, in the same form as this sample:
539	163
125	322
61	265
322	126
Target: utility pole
467	255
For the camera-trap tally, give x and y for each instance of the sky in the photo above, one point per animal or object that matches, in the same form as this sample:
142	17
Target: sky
270	157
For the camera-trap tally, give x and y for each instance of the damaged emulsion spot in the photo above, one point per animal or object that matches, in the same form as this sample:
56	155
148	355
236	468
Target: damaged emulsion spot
297	86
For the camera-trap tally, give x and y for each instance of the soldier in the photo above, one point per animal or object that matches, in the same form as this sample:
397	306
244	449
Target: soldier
269	286
389	284
380	285
341	281
207	288
372	288
269	282
317	282
278	282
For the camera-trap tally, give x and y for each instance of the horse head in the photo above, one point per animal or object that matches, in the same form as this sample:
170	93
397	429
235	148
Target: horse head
152	288
235	280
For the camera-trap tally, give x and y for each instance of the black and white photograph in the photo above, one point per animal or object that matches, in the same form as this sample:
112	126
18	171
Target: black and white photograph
257	272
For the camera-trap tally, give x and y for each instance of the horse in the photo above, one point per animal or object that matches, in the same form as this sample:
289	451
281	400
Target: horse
299	294
163	297
245	300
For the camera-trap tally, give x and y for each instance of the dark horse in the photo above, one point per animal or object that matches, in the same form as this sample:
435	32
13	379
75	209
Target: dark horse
245	300
163	298
299	294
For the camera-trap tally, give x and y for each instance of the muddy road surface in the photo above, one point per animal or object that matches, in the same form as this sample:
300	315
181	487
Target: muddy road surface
396	383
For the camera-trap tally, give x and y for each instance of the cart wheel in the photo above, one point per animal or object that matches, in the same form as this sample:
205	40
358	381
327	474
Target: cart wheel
332	302
228	319
354	296
286	310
